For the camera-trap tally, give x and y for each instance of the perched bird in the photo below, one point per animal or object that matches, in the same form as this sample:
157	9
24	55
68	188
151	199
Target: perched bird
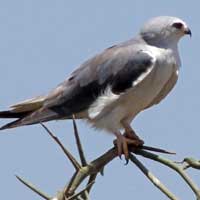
111	88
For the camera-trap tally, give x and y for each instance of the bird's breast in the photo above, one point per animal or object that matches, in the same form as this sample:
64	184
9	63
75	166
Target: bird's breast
110	108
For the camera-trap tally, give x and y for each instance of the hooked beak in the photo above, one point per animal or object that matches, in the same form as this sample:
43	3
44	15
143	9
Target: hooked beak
188	32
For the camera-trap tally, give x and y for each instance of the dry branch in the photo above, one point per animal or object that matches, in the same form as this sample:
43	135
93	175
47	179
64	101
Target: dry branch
90	170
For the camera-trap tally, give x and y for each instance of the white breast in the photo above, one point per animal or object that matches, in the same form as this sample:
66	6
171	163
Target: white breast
109	109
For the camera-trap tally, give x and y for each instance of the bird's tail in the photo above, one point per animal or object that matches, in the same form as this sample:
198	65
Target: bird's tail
27	112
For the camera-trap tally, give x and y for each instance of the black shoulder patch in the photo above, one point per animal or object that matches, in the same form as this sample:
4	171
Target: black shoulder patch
118	77
131	72
81	98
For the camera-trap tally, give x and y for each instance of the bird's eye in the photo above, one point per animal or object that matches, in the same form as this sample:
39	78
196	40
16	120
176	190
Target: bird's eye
177	25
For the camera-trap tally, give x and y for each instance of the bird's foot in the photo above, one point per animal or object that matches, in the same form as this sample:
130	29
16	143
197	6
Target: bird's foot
132	135
122	142
129	132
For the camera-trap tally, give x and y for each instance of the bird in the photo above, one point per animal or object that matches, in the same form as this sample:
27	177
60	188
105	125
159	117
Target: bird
111	88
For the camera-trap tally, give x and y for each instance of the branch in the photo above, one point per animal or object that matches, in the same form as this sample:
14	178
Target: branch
78	143
173	165
90	170
66	152
152	178
81	192
191	162
33	188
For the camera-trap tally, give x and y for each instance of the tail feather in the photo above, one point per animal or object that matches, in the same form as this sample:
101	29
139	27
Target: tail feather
21	111
11	114
29	104
10	125
41	115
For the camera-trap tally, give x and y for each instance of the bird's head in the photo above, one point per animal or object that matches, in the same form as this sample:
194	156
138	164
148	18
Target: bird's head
164	30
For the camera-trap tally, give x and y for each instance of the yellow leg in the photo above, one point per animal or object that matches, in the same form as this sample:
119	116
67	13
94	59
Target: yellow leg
122	142
130	133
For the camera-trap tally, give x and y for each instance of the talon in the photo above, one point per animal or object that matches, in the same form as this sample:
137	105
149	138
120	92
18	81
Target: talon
130	133
139	142
122	144
127	161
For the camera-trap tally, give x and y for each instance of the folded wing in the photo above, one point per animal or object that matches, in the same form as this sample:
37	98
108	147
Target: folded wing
119	67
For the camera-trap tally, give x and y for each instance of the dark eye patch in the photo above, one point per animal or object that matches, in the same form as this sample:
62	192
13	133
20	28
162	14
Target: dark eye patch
177	25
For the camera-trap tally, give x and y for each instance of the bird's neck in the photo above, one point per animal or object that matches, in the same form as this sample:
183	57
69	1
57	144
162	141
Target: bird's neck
160	41
173	46
169	44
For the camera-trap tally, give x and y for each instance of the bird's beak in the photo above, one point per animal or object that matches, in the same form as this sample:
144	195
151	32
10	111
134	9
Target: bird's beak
188	32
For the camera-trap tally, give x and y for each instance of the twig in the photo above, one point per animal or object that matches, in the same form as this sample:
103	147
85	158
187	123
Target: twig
92	169
81	192
78	143
152	178
158	150
191	162
33	188
91	180
75	163
173	166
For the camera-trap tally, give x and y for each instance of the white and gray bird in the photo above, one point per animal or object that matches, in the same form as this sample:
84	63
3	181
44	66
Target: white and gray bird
111	88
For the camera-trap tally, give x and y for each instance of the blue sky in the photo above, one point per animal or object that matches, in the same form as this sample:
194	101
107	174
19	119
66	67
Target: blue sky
41	42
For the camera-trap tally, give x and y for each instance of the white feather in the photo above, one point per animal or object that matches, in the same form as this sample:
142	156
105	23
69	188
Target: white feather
144	74
109	109
105	99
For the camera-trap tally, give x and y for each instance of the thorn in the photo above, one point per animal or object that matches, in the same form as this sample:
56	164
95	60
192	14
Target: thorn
78	143
127	161
68	187
192	162
81	192
149	148
91	180
179	162
74	162
33	188
102	171
59	196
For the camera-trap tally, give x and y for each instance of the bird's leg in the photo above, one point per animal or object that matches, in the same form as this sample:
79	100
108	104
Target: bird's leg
130	133
122	143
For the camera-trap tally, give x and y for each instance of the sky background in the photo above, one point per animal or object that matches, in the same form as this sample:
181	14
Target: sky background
41	42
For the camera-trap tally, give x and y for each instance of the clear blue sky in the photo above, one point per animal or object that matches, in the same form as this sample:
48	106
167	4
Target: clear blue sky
41	42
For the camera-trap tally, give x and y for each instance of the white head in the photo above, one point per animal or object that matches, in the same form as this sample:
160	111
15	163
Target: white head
164	30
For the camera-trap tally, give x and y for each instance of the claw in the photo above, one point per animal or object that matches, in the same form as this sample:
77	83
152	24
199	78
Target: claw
130	133
127	161
122	142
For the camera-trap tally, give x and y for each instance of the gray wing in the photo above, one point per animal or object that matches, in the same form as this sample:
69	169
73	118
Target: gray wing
119	67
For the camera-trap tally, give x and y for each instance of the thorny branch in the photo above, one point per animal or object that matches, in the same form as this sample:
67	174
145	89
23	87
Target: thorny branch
91	169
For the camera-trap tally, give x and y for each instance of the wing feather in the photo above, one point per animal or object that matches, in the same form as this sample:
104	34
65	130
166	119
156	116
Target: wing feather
119	67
